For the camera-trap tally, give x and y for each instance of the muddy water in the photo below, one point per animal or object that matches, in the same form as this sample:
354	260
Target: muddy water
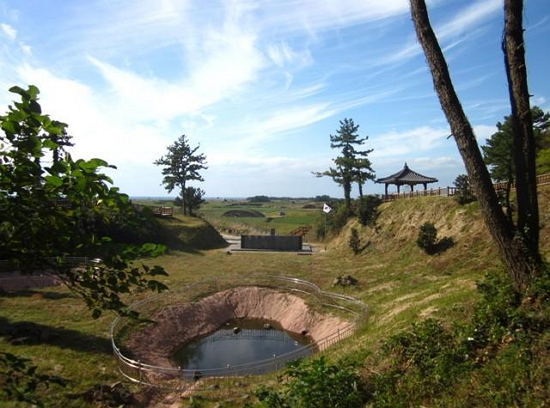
241	341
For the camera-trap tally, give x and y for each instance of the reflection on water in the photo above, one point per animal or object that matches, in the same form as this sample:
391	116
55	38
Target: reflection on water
252	342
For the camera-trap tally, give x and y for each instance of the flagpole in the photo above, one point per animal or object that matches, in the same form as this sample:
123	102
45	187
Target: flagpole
326	210
325	235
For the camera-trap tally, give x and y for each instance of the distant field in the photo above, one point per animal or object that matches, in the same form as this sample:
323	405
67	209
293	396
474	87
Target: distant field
283	215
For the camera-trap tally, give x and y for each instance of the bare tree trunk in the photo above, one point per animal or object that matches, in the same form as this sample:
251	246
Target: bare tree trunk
347	191
183	206
518	264
522	121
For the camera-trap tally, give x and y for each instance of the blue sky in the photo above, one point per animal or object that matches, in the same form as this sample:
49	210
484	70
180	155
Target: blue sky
261	84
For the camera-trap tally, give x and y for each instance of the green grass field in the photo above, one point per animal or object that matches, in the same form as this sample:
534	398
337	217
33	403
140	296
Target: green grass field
283	215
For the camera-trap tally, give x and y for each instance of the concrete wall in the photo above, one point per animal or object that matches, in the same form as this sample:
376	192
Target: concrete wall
271	242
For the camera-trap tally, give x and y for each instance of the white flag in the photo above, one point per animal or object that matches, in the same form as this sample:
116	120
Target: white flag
327	208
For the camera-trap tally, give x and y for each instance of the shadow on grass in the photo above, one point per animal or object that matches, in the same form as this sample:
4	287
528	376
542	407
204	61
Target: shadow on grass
441	246
37	293
30	333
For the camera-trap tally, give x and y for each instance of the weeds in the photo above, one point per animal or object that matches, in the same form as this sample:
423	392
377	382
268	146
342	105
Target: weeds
496	353
315	384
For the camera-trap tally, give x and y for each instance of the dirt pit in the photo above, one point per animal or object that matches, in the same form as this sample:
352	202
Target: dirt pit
179	324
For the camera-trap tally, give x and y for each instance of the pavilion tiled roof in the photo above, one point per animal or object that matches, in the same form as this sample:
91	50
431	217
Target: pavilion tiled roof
406	176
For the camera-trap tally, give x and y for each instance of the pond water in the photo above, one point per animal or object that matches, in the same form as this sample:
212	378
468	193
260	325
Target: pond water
250	343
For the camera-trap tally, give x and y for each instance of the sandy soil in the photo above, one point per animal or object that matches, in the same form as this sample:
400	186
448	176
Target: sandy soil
180	323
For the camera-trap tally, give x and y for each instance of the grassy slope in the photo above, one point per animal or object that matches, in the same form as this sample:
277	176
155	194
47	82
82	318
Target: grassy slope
399	282
182	233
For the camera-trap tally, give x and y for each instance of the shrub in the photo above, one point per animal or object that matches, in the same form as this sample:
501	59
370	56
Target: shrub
355	241
259	199
368	209
498	358
463	190
427	238
334	221
315	384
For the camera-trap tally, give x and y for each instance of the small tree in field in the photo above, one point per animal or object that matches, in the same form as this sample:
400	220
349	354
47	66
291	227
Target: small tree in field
355	241
194	199
427	238
463	190
181	164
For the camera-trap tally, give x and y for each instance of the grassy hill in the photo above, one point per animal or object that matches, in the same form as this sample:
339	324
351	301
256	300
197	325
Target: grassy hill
401	284
181	233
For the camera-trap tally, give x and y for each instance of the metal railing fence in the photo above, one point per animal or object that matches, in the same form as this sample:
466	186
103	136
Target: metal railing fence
222	380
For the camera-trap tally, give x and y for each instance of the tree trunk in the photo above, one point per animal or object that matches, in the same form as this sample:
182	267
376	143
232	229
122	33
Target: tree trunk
522	121
518	264
183	207
347	191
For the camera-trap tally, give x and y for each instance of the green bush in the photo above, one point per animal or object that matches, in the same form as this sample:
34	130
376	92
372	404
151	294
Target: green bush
427	238
333	222
355	241
463	190
498	358
367	211
315	384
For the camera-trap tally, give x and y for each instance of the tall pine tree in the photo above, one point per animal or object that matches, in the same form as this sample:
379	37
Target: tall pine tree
181	164
352	165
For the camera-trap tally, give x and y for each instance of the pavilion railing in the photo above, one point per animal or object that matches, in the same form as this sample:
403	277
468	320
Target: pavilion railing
441	192
542	180
157	210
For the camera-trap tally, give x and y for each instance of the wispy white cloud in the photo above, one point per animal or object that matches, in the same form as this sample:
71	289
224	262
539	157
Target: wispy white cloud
311	16
462	26
97	130
124	26
414	141
282	54
484	132
9	31
471	16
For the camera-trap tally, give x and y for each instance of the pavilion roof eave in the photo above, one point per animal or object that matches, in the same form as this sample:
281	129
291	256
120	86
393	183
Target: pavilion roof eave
406	176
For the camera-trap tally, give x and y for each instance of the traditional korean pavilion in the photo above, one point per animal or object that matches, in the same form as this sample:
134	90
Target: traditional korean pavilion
406	177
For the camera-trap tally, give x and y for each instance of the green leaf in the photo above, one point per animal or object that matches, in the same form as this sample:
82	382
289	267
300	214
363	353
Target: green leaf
54	181
33	146
20	91
33	91
10	126
50	144
35	107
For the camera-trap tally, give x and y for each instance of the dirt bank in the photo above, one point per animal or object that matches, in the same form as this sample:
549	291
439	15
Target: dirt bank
180	323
